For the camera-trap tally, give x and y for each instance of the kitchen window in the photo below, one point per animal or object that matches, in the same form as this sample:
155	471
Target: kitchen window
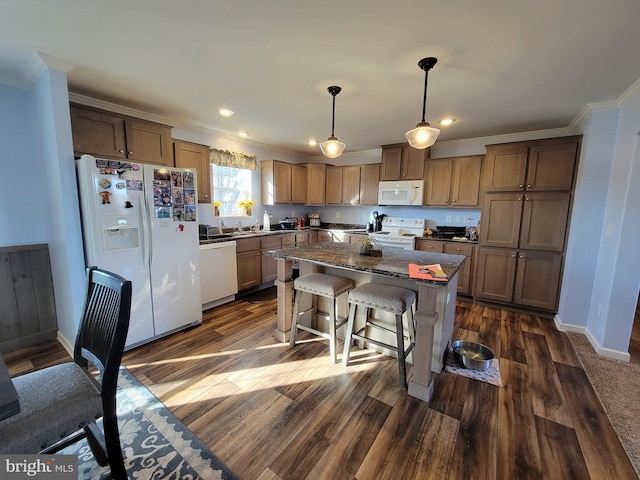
231	185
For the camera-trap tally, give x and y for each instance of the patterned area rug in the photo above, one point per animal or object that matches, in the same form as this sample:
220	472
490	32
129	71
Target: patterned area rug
155	443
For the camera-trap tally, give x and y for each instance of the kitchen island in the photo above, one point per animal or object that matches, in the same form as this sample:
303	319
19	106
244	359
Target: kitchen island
436	299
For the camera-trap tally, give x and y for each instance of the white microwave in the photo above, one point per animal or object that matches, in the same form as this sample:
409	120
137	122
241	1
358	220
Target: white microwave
403	192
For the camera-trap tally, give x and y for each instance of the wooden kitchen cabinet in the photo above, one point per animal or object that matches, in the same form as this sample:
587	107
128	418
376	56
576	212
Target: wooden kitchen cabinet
534	221
333	194
495	277
402	162
194	155
316	180
269	264
527	189
465	274
454	181
283	183
538	279
369	178
351	185
249	263
110	135
298	184
324	236
427	245
540	165
313	236
521	277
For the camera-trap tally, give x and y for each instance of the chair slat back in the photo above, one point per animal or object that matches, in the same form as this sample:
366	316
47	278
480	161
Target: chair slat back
104	324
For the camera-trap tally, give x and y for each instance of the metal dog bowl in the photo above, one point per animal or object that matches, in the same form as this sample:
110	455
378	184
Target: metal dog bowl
471	355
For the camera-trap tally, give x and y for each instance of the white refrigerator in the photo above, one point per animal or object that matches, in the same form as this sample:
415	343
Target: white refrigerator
139	221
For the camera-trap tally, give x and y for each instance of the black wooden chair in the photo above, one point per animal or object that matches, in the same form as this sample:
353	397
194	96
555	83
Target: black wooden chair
59	405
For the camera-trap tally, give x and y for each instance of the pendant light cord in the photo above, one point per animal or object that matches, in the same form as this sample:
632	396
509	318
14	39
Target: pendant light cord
424	96
333	116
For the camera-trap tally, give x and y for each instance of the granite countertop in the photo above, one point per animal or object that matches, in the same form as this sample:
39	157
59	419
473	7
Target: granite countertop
393	262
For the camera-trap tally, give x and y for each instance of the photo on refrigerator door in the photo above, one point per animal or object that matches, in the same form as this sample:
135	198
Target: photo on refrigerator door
178	196
190	213
187	180
178	213
163	212
161	194
176	179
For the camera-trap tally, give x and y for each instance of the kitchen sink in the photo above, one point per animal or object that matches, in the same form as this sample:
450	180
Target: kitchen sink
217	236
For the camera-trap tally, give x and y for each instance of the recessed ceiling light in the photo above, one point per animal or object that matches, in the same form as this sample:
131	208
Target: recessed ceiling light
447	121
242	134
225	112
312	142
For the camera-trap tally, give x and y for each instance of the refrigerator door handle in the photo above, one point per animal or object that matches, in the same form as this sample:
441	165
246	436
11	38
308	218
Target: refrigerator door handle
146	227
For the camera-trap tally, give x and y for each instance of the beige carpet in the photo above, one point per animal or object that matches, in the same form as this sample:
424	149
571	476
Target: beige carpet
618	387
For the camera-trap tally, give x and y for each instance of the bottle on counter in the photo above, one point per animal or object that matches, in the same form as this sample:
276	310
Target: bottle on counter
266	224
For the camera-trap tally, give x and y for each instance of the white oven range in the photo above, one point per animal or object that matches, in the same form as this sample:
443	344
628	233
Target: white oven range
399	232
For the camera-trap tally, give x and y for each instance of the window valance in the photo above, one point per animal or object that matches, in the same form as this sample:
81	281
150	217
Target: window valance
225	158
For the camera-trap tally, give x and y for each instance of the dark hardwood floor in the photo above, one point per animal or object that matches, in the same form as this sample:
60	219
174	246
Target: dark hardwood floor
273	412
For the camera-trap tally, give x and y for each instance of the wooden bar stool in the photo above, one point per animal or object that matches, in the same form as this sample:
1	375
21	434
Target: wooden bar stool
322	285
388	298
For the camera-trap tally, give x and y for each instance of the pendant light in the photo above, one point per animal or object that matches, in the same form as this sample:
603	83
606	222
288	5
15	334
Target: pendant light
423	135
333	148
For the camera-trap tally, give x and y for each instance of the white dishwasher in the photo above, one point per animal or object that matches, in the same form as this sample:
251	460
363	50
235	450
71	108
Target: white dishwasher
218	273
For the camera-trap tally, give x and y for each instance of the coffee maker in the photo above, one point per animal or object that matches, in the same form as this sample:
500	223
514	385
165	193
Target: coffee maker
376	221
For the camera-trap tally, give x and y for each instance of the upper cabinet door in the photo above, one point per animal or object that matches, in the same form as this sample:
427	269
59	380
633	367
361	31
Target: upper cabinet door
545	218
148	142
391	163
316	179
412	163
282	182
465	181
552	166
505	168
369	178
438	182
97	133
193	155
334	185
298	184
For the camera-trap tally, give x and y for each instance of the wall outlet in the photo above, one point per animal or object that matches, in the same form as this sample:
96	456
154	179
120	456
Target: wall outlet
337	214
609	230
458	219
293	213
449	219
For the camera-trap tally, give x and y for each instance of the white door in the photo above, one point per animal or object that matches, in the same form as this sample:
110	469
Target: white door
112	204
174	245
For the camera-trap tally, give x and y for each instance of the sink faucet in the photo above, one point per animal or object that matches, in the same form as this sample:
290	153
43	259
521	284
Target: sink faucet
239	226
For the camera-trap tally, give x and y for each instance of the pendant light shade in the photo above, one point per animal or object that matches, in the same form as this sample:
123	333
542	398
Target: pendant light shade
423	135
333	148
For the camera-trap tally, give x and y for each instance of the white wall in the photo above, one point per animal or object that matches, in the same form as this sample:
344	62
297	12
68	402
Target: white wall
55	163
23	211
621	248
587	218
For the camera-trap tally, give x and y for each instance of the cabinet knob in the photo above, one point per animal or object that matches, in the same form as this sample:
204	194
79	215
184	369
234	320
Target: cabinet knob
455	201
528	199
446	202
520	186
457	249
521	256
130	153
513	256
519	199
120	151
528	185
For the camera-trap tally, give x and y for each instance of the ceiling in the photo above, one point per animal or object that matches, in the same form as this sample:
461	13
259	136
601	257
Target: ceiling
503	67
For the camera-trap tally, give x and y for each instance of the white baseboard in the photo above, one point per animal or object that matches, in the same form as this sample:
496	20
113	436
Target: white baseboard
68	346
600	350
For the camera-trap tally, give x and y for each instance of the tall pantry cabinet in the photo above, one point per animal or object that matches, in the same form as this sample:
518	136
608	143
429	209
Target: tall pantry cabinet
527	190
